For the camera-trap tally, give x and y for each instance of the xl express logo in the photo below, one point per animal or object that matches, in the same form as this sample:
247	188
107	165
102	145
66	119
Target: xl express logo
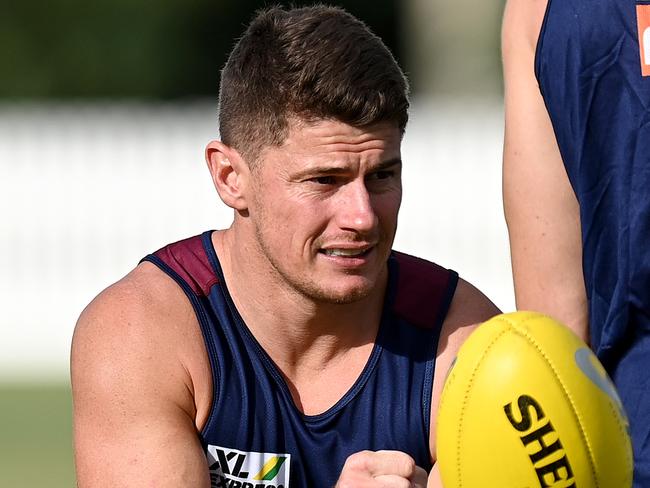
231	468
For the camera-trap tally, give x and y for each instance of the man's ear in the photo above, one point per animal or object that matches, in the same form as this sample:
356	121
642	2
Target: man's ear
230	174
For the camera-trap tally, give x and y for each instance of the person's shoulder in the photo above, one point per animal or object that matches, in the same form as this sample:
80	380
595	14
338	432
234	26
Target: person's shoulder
144	296
133	329
411	268
463	304
140	377
470	305
522	20
469	308
422	290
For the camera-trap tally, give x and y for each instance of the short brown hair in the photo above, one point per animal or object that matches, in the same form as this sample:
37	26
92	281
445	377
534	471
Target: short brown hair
316	62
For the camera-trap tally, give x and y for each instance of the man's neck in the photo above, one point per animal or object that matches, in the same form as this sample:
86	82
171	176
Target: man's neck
295	330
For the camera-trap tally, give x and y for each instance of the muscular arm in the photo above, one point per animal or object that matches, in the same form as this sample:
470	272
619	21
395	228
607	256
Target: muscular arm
134	401
469	308
540	206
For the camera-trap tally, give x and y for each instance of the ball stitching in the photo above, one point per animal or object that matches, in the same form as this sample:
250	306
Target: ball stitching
518	328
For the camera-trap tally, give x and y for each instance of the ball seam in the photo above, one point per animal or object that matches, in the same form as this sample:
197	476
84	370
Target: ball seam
519	328
466	401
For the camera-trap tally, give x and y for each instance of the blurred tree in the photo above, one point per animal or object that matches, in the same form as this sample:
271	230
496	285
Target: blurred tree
453	47
137	48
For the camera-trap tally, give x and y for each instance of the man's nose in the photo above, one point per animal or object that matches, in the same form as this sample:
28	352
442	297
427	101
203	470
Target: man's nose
356	211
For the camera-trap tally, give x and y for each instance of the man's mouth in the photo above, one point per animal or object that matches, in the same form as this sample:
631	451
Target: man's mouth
346	253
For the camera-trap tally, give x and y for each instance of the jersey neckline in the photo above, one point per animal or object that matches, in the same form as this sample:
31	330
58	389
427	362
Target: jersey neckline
270	365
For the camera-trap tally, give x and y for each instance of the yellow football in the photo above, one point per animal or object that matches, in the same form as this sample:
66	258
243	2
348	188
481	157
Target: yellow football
527	404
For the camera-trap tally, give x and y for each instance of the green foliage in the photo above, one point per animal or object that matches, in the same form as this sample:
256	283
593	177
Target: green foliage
134	48
36	436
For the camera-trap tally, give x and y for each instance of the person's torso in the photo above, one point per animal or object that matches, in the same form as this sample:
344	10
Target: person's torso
256	436
589	64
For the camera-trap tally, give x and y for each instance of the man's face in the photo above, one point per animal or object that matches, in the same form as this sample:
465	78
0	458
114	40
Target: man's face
324	208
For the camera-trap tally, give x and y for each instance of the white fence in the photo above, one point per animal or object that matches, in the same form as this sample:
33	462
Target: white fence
87	190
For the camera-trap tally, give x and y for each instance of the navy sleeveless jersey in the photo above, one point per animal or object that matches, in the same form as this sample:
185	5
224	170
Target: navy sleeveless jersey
255	435
588	65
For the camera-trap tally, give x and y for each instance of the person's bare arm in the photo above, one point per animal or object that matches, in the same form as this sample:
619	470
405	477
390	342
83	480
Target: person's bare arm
434	480
134	406
541	210
469	308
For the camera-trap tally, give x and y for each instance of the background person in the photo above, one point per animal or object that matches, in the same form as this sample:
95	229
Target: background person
577	179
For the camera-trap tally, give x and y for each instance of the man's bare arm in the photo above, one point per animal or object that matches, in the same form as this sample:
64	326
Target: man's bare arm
134	406
540	206
469	308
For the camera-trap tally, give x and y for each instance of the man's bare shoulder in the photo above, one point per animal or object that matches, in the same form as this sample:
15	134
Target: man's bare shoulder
136	363
522	20
137	307
469	308
146	289
142	327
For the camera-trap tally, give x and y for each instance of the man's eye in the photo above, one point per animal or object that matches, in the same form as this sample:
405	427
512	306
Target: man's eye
382	175
324	180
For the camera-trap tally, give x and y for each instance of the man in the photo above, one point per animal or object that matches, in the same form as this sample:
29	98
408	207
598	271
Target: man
294	348
577	179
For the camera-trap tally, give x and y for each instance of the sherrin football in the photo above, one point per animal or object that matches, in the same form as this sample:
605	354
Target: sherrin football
527	404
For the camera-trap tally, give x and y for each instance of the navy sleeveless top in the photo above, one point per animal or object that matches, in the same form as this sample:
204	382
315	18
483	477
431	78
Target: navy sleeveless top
589	68
255	435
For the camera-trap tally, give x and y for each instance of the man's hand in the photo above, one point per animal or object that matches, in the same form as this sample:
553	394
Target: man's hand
381	469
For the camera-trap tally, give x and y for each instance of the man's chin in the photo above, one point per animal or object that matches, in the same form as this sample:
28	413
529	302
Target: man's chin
343	295
347	298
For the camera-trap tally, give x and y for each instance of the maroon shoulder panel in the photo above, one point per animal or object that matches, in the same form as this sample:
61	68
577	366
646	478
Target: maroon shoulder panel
422	290
190	261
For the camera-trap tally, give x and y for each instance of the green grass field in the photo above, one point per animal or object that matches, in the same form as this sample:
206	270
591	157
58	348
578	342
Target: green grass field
35	436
